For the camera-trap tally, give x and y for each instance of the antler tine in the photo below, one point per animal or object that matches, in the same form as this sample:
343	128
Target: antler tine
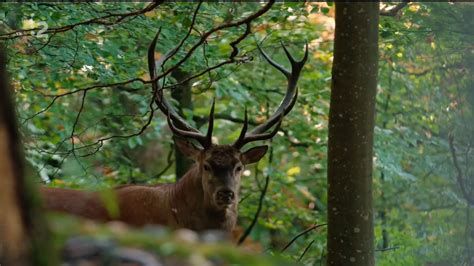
210	126
267	135
273	63
160	100
292	60
239	143
177	124
204	140
187	134
288	55
242	140
291	92
258	133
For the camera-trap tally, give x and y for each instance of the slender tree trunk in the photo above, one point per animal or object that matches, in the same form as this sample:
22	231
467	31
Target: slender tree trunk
182	95
351	125
383	207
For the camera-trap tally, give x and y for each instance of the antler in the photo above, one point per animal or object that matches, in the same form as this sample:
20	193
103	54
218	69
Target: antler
259	132
178	125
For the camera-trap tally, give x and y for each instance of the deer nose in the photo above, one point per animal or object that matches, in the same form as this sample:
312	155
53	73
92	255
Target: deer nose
225	194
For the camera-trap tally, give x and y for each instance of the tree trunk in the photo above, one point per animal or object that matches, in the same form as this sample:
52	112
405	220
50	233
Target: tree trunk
22	230
351	125
182	95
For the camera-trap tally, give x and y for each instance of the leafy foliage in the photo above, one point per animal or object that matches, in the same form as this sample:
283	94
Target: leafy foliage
425	95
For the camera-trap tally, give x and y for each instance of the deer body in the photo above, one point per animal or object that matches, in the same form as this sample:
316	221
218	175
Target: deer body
207	196
182	204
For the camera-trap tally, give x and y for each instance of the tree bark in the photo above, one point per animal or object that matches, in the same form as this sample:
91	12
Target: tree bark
22	229
351	125
182	95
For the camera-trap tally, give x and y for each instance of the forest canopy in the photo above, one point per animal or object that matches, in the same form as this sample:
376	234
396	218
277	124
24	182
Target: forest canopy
86	115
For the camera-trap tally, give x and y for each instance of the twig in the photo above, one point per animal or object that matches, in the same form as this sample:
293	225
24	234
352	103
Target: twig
460	176
393	11
170	163
260	203
76	121
244	198
57	96
205	36
246	20
100	142
301	234
293	142
306	250
183	40
387	249
259	208
321	258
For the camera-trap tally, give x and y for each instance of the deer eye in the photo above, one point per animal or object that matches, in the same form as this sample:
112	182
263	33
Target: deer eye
238	168
207	168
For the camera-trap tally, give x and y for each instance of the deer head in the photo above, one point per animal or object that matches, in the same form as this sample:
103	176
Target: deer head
221	166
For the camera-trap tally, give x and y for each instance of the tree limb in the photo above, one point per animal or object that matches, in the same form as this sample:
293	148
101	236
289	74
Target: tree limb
460	176
393	11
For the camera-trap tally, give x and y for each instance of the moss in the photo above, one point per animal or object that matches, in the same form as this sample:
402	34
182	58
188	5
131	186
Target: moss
159	241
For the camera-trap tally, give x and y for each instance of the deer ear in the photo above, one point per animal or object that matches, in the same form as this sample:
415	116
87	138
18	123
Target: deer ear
254	154
187	148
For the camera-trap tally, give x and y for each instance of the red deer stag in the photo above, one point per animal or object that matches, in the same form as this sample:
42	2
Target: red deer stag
206	197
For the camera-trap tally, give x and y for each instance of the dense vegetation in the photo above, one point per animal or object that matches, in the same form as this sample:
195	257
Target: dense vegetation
84	107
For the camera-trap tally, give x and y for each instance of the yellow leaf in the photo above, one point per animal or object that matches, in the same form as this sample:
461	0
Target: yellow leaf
414	7
293	171
28	24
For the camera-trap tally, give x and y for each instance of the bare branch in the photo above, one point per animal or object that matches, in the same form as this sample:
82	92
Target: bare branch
393	11
306	250
76	121
100	142
260	204
230	60
387	249
102	86
205	35
183	40
460	176
170	162
301	234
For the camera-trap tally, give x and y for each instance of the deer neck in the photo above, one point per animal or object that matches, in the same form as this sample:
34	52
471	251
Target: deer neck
190	199
190	191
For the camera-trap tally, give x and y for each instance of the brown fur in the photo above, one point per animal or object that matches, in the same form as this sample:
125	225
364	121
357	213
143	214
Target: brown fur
176	205
188	203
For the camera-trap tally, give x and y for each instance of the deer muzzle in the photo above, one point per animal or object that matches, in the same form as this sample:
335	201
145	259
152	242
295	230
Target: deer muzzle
225	197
